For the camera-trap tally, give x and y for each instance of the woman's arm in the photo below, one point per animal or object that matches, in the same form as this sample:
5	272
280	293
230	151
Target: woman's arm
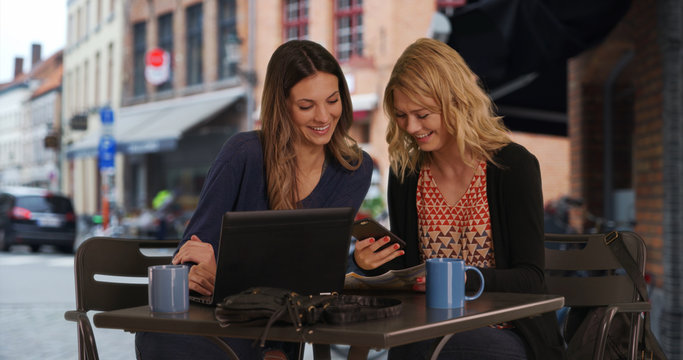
221	188
218	195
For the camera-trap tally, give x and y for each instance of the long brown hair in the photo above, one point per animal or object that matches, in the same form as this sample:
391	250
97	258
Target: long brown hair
431	69
290	63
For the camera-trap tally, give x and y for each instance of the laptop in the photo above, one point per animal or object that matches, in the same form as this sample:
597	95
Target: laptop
304	250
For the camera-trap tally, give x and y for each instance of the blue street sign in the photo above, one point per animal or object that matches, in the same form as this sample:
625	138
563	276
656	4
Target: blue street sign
106	152
106	115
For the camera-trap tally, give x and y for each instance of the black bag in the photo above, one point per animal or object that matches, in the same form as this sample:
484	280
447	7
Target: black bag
267	306
581	339
583	324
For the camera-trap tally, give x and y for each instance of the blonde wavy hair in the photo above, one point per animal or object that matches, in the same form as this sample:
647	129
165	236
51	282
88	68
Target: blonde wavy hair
290	63
431	69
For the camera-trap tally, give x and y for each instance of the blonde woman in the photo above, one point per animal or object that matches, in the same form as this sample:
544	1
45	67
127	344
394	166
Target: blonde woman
302	158
460	188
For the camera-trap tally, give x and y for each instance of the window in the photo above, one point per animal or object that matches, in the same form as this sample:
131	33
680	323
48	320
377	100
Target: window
349	25
295	22
447	7
194	44
360	130
68	89
110	72
71	35
79	24
139	49
87	17
86	100
228	43
165	35
99	12
97	79
78	87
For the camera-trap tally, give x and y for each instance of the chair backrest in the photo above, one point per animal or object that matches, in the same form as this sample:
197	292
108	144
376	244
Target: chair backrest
100	258
585	271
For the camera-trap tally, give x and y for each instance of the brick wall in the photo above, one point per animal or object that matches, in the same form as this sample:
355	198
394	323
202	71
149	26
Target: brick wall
650	99
637	124
648	132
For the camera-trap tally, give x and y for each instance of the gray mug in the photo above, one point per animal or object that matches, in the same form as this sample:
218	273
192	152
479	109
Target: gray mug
169	288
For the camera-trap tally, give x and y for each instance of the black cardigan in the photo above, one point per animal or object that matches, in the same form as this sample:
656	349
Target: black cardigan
516	208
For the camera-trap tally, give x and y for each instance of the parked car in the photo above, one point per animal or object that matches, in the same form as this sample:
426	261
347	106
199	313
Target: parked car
35	217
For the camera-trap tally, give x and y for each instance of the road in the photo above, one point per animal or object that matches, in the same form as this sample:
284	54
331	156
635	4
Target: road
35	291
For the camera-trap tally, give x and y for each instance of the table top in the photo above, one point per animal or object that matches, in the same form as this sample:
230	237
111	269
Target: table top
416	322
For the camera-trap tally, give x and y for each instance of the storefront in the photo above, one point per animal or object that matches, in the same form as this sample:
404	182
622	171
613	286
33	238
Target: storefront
166	144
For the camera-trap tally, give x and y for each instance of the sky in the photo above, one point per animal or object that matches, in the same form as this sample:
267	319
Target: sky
24	22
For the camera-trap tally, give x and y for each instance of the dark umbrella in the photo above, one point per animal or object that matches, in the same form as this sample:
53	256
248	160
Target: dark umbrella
504	39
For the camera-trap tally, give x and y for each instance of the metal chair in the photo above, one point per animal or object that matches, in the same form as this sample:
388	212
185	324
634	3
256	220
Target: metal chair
586	272
126	259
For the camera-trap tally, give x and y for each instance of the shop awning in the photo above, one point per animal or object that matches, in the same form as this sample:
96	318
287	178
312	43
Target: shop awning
519	49
157	126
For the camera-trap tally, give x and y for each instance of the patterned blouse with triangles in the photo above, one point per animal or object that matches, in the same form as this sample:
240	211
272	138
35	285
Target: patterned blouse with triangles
462	230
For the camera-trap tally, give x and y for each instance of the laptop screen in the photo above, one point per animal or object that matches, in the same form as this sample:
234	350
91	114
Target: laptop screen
304	250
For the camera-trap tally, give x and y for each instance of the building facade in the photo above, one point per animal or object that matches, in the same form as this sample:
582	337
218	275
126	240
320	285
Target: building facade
92	81
183	78
625	130
43	131
30	116
12	118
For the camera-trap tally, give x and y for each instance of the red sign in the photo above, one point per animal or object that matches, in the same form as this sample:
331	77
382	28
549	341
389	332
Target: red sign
158	66
155	57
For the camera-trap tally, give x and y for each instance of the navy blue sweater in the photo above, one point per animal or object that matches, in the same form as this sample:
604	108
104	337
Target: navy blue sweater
237	182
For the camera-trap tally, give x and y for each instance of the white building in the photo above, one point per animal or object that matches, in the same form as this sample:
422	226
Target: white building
30	111
92	80
12	116
42	133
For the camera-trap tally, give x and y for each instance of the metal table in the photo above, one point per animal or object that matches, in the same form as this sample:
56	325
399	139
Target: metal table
416	322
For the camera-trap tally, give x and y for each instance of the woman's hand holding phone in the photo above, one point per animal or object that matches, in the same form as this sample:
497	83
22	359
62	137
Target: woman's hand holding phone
375	244
368	257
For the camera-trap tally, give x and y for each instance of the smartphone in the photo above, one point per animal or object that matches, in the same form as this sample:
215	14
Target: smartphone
365	228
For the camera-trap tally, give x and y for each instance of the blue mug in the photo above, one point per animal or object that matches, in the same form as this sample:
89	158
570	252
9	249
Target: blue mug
169	288
446	283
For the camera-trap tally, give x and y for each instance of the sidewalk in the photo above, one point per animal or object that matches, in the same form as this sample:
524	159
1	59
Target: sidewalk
40	332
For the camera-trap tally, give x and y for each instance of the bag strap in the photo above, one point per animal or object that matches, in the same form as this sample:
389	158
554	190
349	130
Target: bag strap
614	242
